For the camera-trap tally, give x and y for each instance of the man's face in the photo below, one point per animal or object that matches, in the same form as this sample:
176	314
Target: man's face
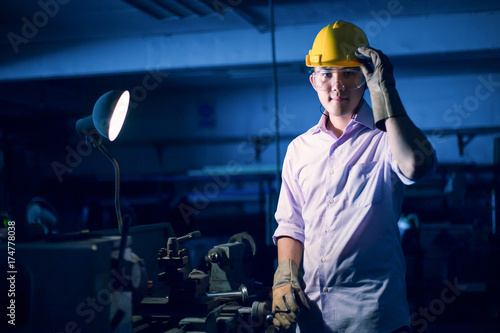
340	89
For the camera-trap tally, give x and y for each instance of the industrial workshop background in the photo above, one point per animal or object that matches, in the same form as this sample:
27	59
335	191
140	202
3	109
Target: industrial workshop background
218	90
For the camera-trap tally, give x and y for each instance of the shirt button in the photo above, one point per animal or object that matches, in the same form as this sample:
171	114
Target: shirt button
327	230
332	200
323	259
331	172
325	289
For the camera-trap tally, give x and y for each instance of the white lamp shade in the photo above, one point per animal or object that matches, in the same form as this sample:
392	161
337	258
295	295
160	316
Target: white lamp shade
109	113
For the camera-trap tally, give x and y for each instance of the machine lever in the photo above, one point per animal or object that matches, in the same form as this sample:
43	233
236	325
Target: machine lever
191	235
270	317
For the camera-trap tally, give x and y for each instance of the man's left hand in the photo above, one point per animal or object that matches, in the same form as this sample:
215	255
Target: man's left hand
380	81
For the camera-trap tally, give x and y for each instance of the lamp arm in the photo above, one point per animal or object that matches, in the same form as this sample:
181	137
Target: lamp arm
100	146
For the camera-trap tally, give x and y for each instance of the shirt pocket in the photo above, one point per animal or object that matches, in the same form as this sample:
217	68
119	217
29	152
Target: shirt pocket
364	184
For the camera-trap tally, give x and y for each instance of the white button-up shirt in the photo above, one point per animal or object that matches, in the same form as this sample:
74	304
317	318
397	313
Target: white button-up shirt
342	197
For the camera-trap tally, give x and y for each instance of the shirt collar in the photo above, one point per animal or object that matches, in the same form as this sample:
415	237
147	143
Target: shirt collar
364	116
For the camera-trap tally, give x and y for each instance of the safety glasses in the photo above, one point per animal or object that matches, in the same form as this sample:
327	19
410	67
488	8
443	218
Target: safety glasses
346	78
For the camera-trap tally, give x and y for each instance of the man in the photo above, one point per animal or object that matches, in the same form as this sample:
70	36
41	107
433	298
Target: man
341	195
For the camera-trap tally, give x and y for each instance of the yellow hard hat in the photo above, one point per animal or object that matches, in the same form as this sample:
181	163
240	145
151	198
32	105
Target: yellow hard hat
335	46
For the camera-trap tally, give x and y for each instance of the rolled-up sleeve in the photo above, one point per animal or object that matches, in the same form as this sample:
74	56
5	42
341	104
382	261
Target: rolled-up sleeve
289	211
402	177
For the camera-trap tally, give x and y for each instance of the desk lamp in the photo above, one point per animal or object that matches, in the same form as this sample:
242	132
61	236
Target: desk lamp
106	121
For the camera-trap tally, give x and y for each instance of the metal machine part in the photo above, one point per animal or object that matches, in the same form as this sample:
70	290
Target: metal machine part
74	282
191	305
228	262
174	261
270	316
241	294
258	311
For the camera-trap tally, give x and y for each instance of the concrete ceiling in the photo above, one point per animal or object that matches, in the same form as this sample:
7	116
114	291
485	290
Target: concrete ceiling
72	20
68	38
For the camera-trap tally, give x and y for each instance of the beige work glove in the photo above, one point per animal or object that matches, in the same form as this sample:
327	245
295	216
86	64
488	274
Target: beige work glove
286	291
380	81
